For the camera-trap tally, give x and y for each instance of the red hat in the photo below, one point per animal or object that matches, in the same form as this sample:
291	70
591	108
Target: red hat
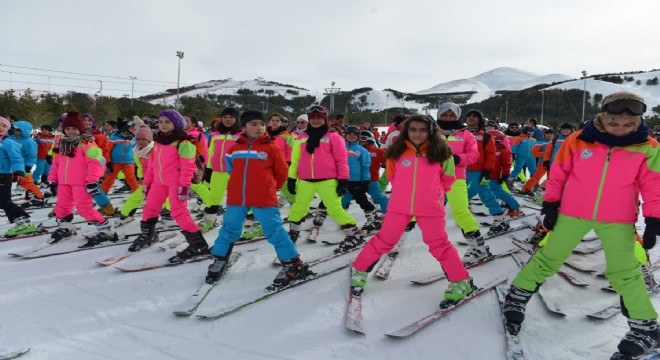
73	119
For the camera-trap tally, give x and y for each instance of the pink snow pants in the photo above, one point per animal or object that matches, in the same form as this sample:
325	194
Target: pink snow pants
433	234
69	196
178	209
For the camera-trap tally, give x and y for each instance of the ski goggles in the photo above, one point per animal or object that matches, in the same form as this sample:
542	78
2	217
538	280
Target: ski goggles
630	106
316	109
352	130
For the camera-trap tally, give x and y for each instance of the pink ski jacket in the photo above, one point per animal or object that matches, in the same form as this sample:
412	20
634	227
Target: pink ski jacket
219	146
171	165
85	167
464	145
418	187
329	160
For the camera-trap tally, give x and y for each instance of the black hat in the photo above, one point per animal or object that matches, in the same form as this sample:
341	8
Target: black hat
230	111
566	126
252	115
47	127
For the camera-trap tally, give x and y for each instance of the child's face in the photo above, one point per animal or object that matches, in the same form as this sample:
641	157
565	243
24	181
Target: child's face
18	132
418	132
565	132
316	121
107	127
352	137
3	129
142	142
275	122
619	125
87	122
189	123
255	129
45	132
364	143
549	136
71	131
165	125
228	121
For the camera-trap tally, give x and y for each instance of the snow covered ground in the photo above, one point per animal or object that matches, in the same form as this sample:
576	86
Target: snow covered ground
69	307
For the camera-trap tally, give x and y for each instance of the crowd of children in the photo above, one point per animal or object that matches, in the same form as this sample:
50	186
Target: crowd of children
265	163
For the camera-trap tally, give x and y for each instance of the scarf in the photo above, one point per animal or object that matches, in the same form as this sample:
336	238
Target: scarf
277	131
179	135
144	152
591	134
315	135
68	144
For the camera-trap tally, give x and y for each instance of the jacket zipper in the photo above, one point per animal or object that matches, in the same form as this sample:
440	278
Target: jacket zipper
247	159
602	183
412	197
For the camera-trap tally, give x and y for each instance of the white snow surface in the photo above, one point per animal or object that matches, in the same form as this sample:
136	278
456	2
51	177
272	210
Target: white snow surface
69	307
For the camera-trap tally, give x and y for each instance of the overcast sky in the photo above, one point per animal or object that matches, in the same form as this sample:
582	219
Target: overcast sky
406	45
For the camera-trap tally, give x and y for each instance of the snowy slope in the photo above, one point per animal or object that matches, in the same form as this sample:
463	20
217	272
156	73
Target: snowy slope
68	307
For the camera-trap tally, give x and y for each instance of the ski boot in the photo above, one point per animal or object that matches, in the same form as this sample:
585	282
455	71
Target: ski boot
107	210
22	227
64	229
34	203
457	291
123	189
352	240
358	282
514	213
514	308
410	226
649	279
373	224
476	251
197	246
500	225
527	193
294	230
208	221
539	233
319	217
292	270
218	267
252	228
103	232
641	340
147	237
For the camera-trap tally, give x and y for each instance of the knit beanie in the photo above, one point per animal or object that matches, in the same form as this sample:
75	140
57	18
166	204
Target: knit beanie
73	119
91	117
443	108
252	115
175	117
144	132
5	121
302	117
47	127
231	112
137	122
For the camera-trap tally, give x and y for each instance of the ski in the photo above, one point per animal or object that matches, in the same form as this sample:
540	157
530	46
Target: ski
570	278
611	310
549	304
437	314
486	223
429	279
581	249
13	354
41	230
192	303
117	258
268	293
488	237
385	267
514	349
354	313
314	234
152	265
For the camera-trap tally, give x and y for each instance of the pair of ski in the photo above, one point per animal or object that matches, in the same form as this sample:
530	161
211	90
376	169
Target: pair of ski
73	244
570	278
354	313
192	303
488	237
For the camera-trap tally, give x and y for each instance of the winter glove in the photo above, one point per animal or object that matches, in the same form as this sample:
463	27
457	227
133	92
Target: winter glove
546	164
207	174
49	160
502	179
53	188
485	176
342	187
145	190
291	186
18	174
383	165
652	230
549	214
28	169
93	189
457	159
182	193
108	169
365	185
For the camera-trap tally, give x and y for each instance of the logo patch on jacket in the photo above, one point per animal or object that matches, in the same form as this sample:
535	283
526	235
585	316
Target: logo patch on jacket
325	139
262	155
406	163
586	154
353	153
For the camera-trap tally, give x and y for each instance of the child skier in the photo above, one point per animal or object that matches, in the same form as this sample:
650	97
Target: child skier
44	142
258	169
420	167
319	163
596	180
368	141
76	170
501	173
228	130
169	174
12	167
22	131
121	145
